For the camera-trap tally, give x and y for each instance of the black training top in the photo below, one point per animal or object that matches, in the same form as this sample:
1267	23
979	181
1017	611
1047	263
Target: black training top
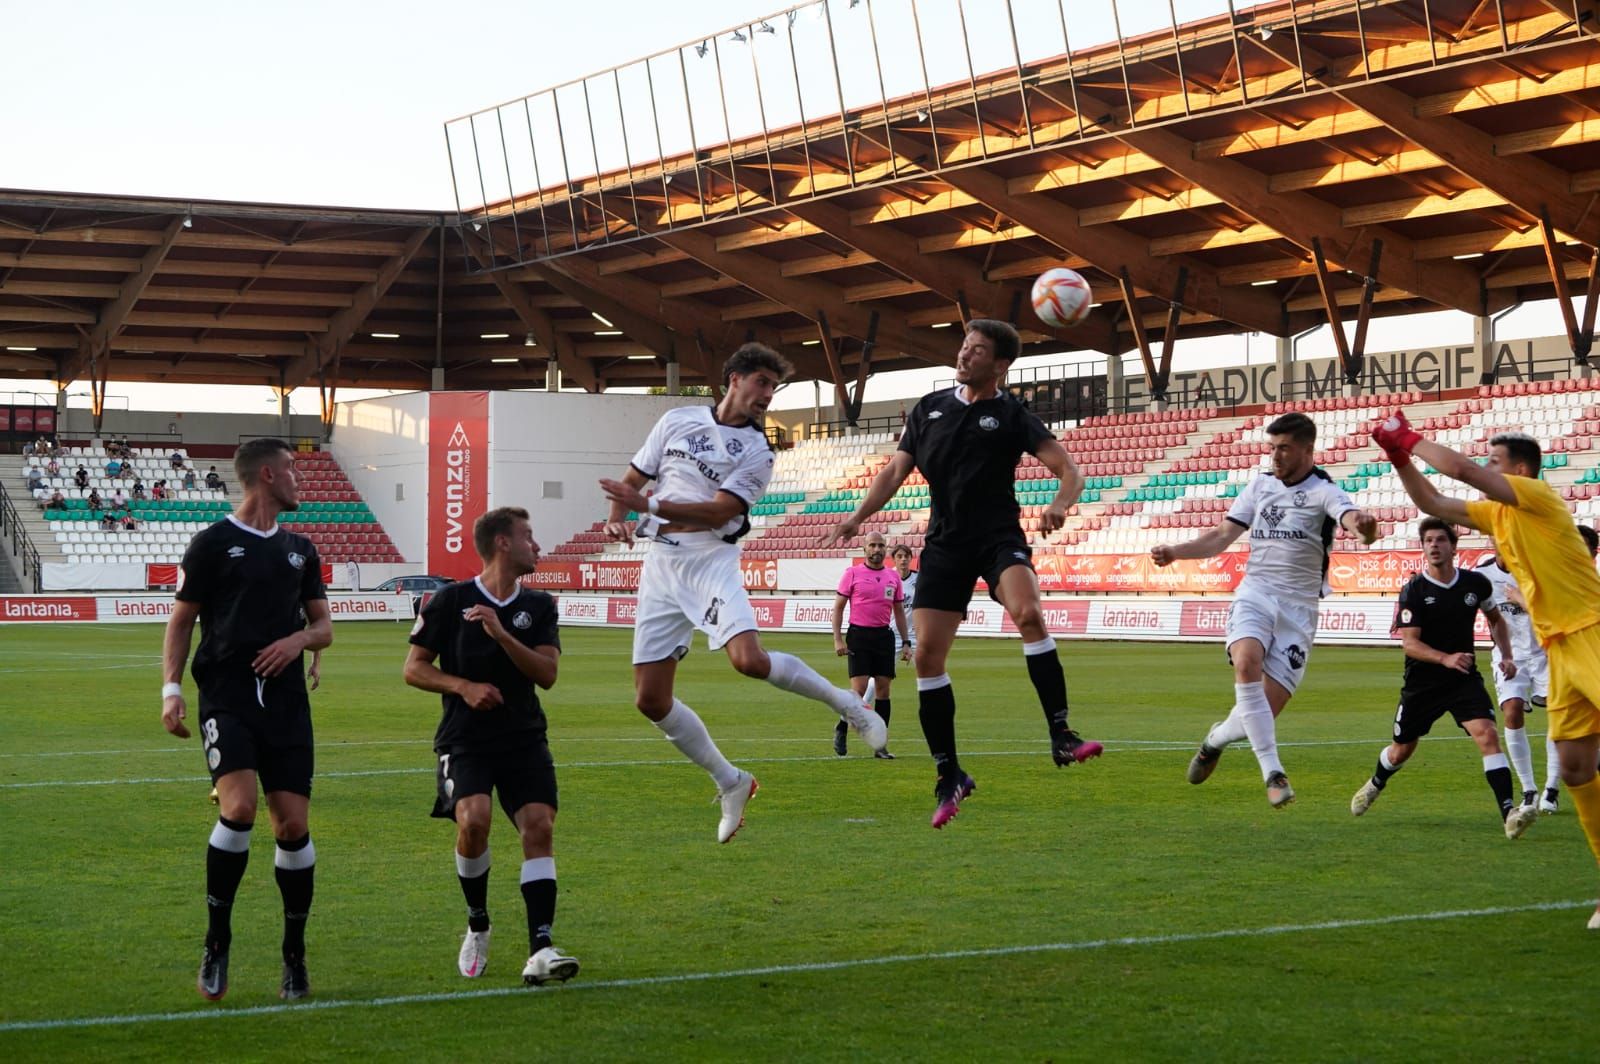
467	651
1445	616
250	586
969	452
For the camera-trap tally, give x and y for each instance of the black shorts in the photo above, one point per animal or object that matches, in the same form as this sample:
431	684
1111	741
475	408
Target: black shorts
275	744
519	775
1465	699
948	573
871	651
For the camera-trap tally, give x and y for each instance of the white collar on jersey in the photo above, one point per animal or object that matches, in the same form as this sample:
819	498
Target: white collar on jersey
498	602
1435	583
268	534
961	398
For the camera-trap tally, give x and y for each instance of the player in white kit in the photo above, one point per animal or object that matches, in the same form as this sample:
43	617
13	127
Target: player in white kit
1290	514
1529	687
710	466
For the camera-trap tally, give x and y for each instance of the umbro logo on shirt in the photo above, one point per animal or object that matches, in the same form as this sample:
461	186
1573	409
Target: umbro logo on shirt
236	552
932	414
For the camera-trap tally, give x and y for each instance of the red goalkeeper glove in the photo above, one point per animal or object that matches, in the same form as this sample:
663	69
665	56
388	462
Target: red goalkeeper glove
1396	437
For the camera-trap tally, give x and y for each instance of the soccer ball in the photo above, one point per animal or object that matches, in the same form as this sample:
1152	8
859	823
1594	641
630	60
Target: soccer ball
1061	298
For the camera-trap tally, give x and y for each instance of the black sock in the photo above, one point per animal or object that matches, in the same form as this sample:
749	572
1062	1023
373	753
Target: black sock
936	708
224	870
540	897
882	706
1051	684
476	890
1380	774
1500	782
295	869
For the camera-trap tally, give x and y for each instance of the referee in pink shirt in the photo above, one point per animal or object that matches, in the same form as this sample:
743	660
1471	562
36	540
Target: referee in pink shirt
874	594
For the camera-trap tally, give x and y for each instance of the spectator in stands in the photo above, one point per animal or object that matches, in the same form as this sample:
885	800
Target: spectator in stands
57	501
188	479
94	499
119	501
108	522
130	523
177	459
35	478
47	446
214	482
158	490
138	486
81	477
52	467
29	448
113	466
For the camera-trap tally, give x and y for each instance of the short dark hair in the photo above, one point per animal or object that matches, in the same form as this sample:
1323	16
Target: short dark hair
899	549
1007	344
751	357
1295	425
492	523
253	454
1436	524
1591	539
1521	448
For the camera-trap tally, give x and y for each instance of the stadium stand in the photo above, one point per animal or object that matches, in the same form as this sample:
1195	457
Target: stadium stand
332	513
1158	477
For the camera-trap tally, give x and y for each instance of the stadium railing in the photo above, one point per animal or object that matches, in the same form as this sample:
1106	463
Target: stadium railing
21	545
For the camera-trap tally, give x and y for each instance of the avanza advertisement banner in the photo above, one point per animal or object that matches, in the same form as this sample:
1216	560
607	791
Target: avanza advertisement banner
458	479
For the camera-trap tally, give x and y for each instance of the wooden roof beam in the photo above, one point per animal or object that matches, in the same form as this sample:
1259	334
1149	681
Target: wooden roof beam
1111	248
538	322
114	315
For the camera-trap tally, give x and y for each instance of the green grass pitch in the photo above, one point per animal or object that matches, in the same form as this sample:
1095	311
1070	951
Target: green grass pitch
1106	911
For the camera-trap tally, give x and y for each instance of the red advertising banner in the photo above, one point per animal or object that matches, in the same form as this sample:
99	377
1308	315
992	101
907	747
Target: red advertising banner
165	574
24	419
1136	572
759	575
44	419
458	479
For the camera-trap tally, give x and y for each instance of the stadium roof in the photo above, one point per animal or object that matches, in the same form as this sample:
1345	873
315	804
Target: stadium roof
1192	174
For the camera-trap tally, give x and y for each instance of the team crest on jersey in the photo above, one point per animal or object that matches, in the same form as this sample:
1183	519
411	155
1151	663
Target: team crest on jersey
988	423
523	619
699	444
1471	599
710	619
735	448
1405	616
1274	515
1300	497
297	560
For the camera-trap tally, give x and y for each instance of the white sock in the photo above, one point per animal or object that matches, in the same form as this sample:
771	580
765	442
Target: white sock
1521	756
1226	731
1552	765
1043	646
791	674
685	730
472	867
1255	714
538	868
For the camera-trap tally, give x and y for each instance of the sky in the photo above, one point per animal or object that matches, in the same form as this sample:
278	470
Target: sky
341	103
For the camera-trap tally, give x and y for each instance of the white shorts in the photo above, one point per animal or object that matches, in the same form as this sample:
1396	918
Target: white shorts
692	582
1285	629
1532	680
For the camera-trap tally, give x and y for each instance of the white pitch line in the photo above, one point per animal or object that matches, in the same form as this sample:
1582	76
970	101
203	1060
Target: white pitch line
80	1022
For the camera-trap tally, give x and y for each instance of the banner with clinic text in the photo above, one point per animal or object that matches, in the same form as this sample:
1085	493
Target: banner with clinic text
458	479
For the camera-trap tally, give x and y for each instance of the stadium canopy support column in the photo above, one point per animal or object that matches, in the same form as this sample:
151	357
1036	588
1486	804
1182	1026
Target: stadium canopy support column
865	369
1579	336
1351	352
552	375
326	390
99	373
674	377
1130	306
436	380
1283	355
1116	385
285	428
841	397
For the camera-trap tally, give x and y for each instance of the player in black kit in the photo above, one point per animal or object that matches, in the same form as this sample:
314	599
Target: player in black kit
1434	619
495	641
246	581
967	441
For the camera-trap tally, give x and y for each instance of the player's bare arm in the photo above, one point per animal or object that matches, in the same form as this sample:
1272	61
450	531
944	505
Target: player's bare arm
1206	545
723	507
316	635
1059	461
1500	634
1429	499
539	664
421	673
1417	650
1458	466
882	489
617	526
174	655
1362	525
904	629
839	649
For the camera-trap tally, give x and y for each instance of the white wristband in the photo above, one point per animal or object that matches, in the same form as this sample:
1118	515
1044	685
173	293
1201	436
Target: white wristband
653	504
172	690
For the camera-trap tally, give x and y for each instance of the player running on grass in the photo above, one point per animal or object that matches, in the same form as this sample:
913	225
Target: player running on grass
710	466
967	441
1534	532
1434	619
1290	513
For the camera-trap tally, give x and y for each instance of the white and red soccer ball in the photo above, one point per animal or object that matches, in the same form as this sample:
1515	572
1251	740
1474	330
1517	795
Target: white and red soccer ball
1061	298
